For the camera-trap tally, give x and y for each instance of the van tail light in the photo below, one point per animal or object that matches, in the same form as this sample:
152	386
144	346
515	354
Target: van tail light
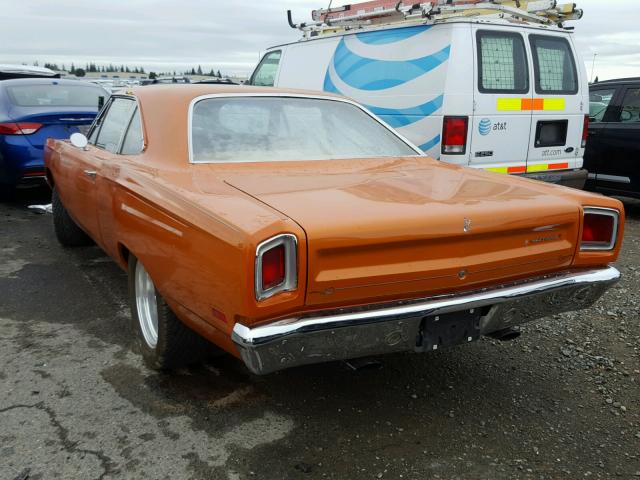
454	135
585	131
19	128
276	266
600	229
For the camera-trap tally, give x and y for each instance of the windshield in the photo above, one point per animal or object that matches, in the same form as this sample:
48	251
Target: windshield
262	129
55	95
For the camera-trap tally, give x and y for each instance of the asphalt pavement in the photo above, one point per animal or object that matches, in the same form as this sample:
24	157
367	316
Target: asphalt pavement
562	401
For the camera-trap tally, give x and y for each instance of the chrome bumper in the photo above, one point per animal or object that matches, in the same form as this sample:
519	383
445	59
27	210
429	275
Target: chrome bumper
378	329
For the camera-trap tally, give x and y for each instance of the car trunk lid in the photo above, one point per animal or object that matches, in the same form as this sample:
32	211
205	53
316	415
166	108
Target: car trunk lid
383	229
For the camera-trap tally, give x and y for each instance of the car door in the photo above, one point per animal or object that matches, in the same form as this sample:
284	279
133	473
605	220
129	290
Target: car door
601	111
502	97
105	140
619	168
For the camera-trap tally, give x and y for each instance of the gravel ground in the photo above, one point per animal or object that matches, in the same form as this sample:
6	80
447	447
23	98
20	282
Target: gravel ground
562	401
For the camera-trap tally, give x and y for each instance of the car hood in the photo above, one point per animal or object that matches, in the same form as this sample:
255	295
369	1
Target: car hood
383	227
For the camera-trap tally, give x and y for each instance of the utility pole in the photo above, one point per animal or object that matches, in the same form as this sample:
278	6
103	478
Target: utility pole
593	64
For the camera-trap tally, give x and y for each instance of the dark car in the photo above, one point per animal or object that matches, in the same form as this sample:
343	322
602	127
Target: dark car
613	150
32	110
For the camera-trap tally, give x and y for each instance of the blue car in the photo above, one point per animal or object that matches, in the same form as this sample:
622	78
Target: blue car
34	109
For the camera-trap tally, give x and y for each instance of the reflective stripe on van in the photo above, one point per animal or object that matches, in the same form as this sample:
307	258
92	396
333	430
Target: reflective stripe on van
530	104
543	167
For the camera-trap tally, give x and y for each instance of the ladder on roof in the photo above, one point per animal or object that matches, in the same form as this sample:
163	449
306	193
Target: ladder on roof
379	12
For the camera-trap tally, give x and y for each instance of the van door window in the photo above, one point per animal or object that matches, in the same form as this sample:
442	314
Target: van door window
502	63
599	101
265	74
630	112
555	68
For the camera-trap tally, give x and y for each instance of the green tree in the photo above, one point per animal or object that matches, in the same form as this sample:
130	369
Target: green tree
80	72
199	72
219	74
152	75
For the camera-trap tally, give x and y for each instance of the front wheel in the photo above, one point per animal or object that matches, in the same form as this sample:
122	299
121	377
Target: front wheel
165	342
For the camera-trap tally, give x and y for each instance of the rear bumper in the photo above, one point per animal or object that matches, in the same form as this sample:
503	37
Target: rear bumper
378	329
568	178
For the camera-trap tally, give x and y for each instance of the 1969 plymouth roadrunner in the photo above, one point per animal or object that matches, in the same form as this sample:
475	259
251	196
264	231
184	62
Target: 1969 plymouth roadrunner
290	228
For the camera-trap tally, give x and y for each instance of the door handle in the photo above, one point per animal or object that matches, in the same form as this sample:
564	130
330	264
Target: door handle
91	174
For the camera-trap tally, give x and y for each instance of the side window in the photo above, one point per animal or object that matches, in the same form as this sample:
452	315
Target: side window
555	68
502	63
95	128
133	140
630	112
599	101
114	124
265	74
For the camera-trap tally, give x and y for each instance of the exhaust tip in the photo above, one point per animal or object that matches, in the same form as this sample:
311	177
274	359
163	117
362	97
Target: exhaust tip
505	335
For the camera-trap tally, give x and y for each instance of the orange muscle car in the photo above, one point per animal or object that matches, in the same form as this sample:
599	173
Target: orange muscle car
290	228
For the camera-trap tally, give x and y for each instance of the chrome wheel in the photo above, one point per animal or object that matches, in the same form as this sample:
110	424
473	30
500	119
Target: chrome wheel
146	305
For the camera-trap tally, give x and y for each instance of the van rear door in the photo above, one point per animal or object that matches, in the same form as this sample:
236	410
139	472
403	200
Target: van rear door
557	108
501	122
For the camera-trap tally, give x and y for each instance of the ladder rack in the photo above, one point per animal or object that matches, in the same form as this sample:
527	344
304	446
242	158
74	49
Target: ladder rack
388	12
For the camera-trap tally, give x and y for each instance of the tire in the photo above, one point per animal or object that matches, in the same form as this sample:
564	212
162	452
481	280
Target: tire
68	233
7	193
169	344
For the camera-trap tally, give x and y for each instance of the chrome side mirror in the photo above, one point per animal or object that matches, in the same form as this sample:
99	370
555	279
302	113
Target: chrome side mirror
78	140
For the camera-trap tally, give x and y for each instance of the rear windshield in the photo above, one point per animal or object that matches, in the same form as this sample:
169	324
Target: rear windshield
55	95
555	68
261	129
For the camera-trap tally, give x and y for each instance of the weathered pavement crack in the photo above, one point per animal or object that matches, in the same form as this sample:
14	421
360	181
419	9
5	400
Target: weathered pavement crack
69	446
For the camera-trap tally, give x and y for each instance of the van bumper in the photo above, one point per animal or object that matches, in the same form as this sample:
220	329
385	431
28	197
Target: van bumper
400	326
568	178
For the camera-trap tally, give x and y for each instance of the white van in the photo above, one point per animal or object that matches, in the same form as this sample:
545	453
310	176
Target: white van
501	94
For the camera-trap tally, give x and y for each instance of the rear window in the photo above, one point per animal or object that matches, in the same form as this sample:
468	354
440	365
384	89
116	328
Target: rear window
260	129
502	63
555	68
55	95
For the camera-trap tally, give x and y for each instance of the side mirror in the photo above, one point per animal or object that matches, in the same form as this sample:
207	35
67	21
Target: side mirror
78	140
626	116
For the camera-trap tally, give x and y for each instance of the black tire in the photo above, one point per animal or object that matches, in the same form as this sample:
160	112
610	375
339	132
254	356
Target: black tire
177	345
7	193
68	233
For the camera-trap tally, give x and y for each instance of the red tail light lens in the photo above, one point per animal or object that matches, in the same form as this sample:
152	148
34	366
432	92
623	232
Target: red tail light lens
276	266
585	131
20	128
454	135
273	267
600	229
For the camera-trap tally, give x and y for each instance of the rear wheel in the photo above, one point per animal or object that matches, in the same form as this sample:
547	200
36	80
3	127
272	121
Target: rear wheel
165	342
68	233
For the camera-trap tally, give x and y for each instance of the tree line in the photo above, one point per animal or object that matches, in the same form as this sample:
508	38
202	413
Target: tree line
91	67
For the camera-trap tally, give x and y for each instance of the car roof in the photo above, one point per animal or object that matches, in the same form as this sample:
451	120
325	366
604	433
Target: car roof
26	69
165	111
187	92
44	81
616	80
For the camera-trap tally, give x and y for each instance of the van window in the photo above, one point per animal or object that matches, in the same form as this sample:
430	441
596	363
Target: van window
502	63
265	74
599	101
555	69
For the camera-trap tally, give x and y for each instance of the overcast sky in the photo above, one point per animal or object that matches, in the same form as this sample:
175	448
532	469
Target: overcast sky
229	35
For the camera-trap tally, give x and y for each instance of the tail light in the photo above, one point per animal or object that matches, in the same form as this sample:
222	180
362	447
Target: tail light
276	266
600	229
454	135
585	131
19	128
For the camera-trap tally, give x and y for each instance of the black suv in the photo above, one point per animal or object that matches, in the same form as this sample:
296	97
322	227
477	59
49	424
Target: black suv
613	150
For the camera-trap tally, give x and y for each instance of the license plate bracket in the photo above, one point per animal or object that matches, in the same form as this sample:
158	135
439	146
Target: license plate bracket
449	329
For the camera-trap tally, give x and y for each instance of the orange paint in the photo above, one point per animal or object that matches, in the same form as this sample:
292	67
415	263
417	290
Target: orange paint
368	230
